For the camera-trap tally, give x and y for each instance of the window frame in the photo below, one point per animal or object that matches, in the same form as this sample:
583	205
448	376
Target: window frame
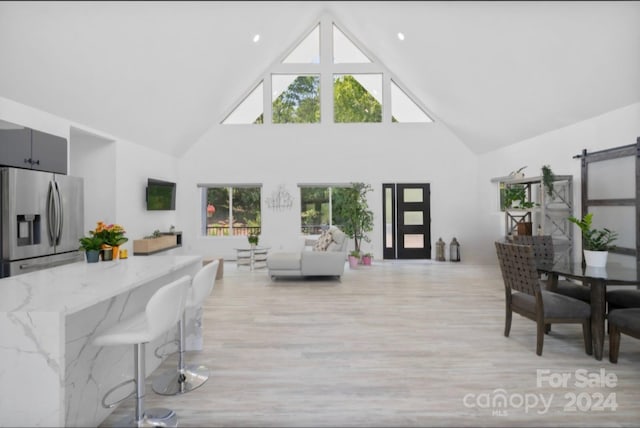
204	226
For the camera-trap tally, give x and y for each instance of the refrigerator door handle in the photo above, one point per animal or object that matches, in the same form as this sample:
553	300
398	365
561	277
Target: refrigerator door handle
51	213
60	214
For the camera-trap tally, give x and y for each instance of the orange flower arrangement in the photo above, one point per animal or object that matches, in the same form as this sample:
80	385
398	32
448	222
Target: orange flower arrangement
111	234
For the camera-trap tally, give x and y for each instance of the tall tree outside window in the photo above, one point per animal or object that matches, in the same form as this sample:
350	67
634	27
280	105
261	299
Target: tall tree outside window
299	102
353	102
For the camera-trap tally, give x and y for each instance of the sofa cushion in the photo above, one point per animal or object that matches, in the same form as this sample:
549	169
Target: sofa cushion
323	241
334	246
282	261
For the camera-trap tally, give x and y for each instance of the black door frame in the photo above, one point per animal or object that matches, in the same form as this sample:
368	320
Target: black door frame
395	249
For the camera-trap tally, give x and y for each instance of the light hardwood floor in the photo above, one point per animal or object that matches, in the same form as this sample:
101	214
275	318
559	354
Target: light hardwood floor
415	343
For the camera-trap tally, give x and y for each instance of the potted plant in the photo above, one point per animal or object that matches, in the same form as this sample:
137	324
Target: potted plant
354	258
596	242
253	239
112	236
366	259
547	179
352	212
91	246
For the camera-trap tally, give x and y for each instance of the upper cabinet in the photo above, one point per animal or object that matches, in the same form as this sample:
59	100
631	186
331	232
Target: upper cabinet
31	149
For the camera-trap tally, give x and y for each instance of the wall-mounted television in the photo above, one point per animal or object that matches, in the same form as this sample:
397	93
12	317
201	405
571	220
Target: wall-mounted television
161	195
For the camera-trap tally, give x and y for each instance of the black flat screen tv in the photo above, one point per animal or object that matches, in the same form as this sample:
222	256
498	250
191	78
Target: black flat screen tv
161	195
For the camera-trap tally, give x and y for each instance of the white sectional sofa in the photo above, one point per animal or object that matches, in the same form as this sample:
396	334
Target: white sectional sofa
325	256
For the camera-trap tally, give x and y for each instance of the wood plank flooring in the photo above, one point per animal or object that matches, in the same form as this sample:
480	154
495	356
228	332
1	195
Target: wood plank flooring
402	344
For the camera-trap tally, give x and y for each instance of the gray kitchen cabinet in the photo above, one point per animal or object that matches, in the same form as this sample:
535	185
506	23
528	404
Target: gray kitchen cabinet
31	149
49	152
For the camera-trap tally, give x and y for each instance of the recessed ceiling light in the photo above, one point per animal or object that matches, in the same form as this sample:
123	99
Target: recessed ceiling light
400	36
256	38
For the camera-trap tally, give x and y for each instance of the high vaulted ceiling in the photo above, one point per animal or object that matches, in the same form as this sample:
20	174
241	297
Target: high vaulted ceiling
161	73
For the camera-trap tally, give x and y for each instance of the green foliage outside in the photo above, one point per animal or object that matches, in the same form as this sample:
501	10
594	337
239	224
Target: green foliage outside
300	103
246	207
352	103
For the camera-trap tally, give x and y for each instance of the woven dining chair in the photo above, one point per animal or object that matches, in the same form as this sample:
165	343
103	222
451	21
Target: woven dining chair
543	251
524	296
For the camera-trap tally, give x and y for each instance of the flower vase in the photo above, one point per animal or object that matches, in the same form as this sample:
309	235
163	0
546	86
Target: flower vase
92	256
353	262
116	252
595	258
107	254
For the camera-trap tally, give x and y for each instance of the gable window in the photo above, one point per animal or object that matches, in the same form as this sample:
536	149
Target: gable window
231	210
357	98
404	109
290	90
296	99
307	51
250	110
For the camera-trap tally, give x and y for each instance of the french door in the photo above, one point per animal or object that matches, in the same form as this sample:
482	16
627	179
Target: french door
406	218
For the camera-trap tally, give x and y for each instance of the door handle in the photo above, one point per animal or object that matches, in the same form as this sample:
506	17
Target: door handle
60	214
51	214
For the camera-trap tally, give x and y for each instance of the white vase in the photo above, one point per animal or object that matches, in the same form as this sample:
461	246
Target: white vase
596	258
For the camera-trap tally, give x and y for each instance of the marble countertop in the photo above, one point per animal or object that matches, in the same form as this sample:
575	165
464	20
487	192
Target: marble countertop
73	287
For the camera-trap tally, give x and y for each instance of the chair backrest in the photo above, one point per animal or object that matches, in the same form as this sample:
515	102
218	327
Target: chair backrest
542	246
166	306
202	284
518	267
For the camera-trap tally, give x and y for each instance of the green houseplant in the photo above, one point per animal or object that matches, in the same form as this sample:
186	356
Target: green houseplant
548	178
91	246
594	240
352	210
253	239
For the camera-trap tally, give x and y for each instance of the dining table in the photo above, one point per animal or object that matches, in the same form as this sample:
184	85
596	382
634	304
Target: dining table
597	278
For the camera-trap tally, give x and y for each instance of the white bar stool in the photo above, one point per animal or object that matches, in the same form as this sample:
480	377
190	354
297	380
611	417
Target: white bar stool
161	313
188	377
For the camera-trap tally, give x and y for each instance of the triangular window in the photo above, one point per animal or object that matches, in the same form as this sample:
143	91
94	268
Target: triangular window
404	109
344	51
307	51
250	109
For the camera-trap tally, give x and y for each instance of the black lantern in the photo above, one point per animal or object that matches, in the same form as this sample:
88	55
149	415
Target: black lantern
440	250
454	250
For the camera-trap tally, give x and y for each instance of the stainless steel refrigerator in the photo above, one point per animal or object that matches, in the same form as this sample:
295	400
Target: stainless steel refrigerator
41	220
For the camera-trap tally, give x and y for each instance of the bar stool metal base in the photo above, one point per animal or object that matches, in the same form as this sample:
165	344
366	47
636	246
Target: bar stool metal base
174	382
156	417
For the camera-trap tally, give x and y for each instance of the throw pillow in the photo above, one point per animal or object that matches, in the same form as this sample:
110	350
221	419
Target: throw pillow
338	236
323	241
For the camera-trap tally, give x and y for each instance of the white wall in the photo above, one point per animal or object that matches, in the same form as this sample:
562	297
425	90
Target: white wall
329	153
620	127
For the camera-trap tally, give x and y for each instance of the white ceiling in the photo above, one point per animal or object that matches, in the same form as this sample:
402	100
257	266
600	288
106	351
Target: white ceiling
161	73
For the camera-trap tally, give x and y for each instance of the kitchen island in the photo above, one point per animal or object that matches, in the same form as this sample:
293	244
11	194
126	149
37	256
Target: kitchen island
51	373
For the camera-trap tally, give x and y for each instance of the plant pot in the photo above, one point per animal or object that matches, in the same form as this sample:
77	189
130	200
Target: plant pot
366	260
596	258
107	254
93	256
525	228
353	262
